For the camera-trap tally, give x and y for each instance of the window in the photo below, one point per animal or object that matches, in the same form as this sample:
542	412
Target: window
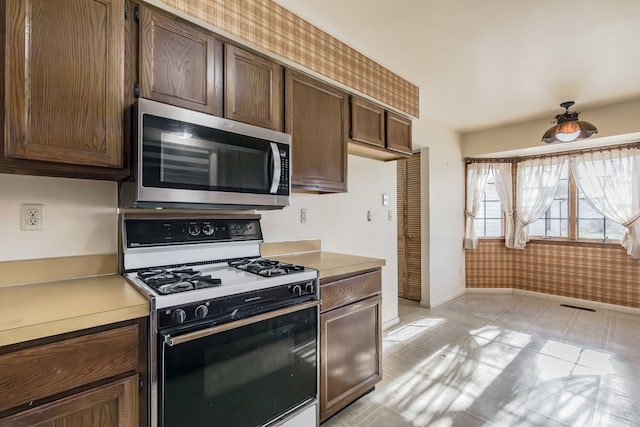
555	222
488	221
592	225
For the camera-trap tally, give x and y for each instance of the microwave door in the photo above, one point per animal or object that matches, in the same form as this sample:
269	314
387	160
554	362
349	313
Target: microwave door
213	169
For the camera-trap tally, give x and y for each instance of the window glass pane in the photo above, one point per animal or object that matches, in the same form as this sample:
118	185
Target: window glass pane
557	228
559	209
591	228
490	192
586	211
494	228
563	188
494	210
536	228
614	231
489	217
555	222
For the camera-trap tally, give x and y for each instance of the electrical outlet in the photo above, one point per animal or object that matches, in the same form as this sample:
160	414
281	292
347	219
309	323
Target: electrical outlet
389	215
385	200
31	217
303	216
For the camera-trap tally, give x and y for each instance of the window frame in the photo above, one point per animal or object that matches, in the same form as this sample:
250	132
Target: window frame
572	238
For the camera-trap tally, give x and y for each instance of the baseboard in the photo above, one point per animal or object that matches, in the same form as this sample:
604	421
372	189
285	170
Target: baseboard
573	301
580	302
391	322
490	290
447	298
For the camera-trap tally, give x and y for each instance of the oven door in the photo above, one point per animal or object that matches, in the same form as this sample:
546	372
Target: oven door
251	372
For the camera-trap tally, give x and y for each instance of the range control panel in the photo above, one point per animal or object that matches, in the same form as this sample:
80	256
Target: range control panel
158	232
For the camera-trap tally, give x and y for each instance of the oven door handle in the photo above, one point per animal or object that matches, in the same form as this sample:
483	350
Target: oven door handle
179	339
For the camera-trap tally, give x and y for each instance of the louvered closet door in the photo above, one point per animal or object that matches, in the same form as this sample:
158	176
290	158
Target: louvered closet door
409	240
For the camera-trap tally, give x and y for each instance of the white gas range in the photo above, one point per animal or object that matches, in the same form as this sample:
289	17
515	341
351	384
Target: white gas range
225	323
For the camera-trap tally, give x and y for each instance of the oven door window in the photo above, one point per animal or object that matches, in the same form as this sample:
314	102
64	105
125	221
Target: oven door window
246	376
181	155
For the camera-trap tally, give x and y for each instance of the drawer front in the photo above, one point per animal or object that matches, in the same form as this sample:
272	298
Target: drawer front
34	373
342	292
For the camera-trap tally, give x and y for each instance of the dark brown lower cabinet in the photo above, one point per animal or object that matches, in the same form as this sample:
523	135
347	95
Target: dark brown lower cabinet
84	378
112	405
350	340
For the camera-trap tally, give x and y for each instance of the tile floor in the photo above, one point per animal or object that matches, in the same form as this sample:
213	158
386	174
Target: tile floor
504	360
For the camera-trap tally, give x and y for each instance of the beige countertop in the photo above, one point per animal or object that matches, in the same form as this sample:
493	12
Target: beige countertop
330	263
38	310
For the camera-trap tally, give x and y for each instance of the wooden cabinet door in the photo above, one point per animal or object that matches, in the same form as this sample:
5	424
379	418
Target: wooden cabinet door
253	89
350	354
398	133
317	117
180	63
64	77
409	228
111	405
367	122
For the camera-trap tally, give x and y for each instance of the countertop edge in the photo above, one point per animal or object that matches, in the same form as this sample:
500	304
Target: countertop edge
72	324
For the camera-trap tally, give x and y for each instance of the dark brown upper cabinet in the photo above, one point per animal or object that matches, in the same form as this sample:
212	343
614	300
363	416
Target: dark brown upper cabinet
377	133
253	89
367	122
317	117
398	133
180	63
63	79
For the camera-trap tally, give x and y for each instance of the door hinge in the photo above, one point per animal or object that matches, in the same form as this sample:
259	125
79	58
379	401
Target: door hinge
136	14
140	383
136	90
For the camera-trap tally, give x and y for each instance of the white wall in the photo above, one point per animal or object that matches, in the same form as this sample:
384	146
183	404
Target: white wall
442	170
340	221
614	119
79	217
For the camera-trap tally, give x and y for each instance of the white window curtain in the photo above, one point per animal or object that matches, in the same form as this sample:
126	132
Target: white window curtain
477	177
536	184
610	181
504	187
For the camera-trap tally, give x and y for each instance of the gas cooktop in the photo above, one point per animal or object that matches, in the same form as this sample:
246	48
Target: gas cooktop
178	261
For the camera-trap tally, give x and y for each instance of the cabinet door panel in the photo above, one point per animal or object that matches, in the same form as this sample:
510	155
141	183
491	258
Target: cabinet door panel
64	81
398	133
253	89
350	348
180	64
367	122
111	405
316	116
37	372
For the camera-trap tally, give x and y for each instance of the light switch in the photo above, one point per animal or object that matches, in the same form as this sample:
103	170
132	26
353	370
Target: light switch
385	200
303	216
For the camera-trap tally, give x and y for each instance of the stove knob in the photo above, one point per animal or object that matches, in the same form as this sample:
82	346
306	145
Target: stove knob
179	316
201	311
296	290
309	288
207	229
194	229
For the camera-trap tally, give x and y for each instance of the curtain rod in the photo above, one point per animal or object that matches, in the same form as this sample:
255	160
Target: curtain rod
567	153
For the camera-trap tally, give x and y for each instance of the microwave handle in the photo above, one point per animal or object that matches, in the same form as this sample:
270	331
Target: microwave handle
277	168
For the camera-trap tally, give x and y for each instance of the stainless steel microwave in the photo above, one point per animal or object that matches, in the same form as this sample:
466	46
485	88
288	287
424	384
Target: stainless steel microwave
186	159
